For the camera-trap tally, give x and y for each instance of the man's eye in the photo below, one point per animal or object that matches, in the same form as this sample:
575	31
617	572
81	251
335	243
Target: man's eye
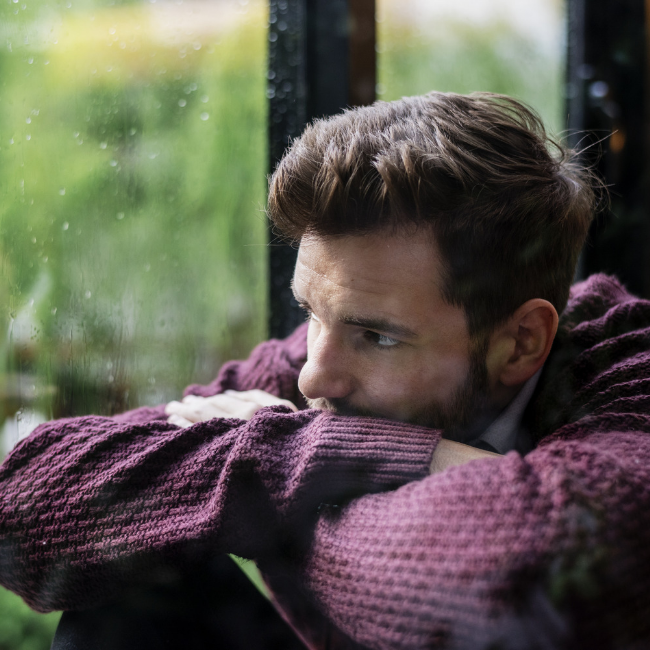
381	340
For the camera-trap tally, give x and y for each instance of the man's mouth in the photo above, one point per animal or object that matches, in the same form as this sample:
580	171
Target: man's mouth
339	407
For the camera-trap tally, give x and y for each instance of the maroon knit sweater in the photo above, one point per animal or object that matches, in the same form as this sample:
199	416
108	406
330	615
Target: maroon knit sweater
549	550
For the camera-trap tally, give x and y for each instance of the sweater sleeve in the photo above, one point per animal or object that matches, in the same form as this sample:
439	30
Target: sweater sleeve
549	550
91	506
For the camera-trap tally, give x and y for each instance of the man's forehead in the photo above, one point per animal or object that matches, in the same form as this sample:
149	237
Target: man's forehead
371	262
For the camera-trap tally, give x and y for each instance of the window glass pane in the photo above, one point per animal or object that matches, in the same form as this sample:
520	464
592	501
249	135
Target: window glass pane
504	46
132	233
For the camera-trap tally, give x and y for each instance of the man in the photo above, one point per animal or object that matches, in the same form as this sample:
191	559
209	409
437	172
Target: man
438	238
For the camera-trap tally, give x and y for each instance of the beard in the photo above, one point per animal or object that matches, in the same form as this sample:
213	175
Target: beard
459	417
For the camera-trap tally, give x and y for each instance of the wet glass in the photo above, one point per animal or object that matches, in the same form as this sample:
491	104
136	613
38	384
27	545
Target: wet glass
132	231
504	46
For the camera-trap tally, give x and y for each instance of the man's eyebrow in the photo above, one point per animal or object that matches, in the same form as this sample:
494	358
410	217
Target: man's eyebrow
299	299
381	324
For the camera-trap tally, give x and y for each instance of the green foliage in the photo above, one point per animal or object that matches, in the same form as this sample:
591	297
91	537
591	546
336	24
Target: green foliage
132	236
455	56
21	628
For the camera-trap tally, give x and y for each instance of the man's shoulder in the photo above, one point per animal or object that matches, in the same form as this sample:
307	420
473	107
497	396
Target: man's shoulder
594	298
599	361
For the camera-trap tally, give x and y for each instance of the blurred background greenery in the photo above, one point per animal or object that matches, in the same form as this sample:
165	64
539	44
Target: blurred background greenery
133	152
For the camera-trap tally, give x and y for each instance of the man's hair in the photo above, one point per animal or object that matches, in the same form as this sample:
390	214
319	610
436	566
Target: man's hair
508	207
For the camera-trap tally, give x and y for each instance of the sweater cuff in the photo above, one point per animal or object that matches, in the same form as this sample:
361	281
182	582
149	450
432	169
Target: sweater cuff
384	453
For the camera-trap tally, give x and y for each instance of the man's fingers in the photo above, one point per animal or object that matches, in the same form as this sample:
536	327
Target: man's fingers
231	404
179	421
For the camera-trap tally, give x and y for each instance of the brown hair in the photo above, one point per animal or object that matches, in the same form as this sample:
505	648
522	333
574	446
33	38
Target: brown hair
509	208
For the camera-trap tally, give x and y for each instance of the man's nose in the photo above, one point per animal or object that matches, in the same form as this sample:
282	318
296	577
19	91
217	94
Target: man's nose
327	372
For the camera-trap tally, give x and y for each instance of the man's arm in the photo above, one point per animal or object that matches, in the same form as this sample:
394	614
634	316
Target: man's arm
552	546
90	506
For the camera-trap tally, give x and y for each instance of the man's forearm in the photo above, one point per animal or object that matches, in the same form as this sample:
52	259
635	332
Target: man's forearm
90	506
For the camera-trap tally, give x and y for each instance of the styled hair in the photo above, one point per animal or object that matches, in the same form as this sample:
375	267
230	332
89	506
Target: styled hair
508	207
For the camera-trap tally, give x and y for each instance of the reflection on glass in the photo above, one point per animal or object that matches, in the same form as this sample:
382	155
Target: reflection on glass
504	46
132	234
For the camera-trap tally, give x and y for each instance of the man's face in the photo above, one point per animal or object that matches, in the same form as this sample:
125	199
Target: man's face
382	341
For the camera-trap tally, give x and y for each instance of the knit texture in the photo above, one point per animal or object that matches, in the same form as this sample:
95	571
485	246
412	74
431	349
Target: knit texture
550	550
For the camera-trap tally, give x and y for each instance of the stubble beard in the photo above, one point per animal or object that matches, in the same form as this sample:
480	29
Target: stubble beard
455	417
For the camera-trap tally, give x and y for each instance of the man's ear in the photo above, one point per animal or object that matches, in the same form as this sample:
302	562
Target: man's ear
520	346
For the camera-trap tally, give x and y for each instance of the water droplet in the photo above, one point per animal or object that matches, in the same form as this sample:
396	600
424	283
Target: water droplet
30	60
147	268
204	99
35	111
122	45
132	131
120	216
54	311
46	63
197	46
152	156
87	294
205	116
66	225
111	30
103	145
113	163
75	134
33	240
62	191
45	258
28	137
182	103
28	120
11	140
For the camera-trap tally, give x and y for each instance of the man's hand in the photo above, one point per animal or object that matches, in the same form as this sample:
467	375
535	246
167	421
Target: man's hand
230	404
449	453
